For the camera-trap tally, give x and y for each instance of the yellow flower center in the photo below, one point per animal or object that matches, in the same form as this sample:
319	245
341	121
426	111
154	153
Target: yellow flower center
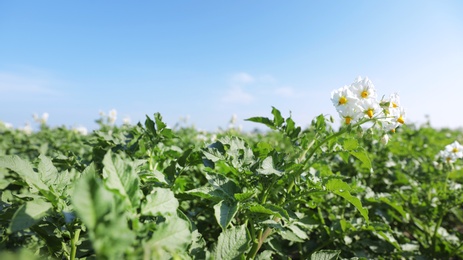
364	94
455	150
370	113
394	105
401	120
348	119
342	101
393	130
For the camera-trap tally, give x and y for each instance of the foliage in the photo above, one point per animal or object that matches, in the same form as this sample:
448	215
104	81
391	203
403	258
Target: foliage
150	192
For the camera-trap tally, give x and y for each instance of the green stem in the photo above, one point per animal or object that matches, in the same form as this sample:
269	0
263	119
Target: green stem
255	245
267	191
74	241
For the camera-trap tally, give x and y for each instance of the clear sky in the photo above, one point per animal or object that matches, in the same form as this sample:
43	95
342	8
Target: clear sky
207	60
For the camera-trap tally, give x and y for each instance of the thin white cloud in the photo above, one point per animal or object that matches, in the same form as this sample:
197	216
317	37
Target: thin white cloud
268	79
287	92
242	78
236	94
244	87
25	84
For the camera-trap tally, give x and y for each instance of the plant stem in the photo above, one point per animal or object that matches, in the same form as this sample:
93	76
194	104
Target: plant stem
255	245
74	241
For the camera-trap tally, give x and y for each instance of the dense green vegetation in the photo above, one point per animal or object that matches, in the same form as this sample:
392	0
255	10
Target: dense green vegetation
149	192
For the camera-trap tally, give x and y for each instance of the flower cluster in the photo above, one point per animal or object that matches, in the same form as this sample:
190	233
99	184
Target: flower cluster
358	102
451	152
41	120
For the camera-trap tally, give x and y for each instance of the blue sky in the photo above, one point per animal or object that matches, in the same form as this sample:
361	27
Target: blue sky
208	60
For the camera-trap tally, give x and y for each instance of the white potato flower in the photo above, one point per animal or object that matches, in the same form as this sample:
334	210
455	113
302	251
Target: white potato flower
126	120
455	148
358	101
370	107
343	98
363	88
27	128
451	153
81	130
112	116
350	114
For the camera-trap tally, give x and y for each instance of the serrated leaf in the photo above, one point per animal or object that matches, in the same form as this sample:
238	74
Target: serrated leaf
121	177
343	189
224	212
160	202
28	214
325	255
232	243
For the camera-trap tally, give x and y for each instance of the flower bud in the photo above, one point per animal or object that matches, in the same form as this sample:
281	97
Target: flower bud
385	139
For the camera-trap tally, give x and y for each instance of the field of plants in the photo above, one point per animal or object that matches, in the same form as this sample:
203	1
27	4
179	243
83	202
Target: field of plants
376	188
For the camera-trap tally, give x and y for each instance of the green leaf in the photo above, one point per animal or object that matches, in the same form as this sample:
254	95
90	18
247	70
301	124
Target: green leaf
325	255
267	167
48	172
397	207
159	123
269	209
160	202
172	235
149	124
223	184
262	149
207	192
343	189
245	195
296	230
232	243
28	214
24	169
362	155
121	177
257	208
262	120
224	212
350	144
278	120
91	200
104	216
